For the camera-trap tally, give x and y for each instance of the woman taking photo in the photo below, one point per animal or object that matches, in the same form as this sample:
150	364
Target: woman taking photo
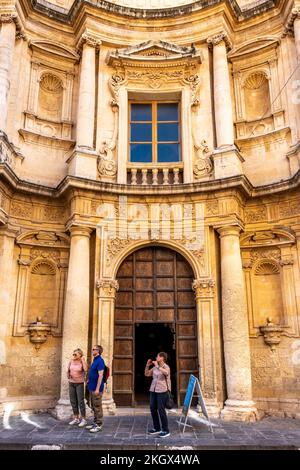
76	373
159	391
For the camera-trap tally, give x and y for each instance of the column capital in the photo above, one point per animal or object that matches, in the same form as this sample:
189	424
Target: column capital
90	39
80	231
203	288
289	25
229	230
8	17
8	231
218	38
107	287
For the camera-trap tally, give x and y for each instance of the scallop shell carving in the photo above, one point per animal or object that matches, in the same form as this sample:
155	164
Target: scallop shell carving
51	83
267	267
255	80
43	268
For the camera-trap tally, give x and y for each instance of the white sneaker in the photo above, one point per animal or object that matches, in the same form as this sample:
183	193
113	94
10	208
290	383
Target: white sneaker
96	429
89	426
82	423
74	421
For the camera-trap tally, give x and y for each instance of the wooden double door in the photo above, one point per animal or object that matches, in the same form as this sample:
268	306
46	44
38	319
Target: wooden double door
155	311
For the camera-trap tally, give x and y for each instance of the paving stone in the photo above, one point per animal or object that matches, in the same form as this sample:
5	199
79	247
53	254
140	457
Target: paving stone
131	432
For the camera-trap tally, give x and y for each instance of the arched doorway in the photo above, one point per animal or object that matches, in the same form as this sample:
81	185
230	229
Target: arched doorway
155	310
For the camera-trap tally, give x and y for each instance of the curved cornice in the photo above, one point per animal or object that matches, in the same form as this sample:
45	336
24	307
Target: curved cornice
68	16
240	183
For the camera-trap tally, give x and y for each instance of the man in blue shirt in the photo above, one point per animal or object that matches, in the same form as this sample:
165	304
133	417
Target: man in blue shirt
95	385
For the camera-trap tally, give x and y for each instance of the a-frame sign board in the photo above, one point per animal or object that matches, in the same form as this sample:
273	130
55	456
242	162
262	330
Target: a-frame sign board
193	386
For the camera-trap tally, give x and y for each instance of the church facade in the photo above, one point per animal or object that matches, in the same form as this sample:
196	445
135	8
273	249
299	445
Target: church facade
149	199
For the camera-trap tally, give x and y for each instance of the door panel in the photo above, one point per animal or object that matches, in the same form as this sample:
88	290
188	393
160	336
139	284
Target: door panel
155	286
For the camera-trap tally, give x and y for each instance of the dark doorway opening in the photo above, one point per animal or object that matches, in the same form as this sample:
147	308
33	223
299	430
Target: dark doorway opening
150	339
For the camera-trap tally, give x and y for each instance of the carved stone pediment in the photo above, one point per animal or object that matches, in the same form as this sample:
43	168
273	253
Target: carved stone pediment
42	238
53	47
253	47
264	238
153	52
152	64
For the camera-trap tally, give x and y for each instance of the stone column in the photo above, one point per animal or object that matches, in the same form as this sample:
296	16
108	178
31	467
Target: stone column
239	404
7	44
7	239
76	311
107	290
296	15
83	161
87	93
222	96
226	157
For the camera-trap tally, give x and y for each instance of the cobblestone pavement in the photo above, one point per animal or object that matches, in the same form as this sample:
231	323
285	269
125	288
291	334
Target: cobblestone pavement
130	432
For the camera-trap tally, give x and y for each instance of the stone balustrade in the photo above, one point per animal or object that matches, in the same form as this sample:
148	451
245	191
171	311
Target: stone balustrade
141	175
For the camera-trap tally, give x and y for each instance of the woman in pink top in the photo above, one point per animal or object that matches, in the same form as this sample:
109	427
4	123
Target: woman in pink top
76	373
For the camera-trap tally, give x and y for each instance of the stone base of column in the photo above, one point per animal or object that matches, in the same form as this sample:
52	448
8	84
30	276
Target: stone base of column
238	410
109	406
213	408
83	163
227	162
63	410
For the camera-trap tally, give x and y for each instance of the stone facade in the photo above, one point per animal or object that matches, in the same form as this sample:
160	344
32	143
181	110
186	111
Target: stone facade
69	194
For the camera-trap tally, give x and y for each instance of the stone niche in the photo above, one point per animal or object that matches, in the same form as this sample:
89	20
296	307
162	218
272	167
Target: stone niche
268	262
42	273
262	133
48	117
256	88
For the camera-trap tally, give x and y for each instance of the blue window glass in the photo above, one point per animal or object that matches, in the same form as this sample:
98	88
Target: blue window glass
168	153
168	132
141	153
141	112
167	112
141	132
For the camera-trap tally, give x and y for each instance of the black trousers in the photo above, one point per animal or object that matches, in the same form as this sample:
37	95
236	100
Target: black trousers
158	411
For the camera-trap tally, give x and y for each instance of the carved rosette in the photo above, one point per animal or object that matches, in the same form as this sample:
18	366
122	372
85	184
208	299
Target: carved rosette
107	288
203	288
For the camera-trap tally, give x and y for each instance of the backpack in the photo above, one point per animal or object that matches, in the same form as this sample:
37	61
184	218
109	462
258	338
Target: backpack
106	374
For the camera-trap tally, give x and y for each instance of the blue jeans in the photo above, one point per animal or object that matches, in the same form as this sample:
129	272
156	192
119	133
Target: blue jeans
158	411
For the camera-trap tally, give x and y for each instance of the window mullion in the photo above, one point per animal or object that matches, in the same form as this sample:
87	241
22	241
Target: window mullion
154	127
